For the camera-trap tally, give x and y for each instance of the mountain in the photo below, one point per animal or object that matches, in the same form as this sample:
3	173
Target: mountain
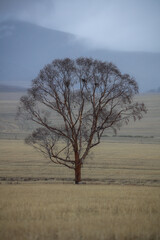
26	48
154	90
8	89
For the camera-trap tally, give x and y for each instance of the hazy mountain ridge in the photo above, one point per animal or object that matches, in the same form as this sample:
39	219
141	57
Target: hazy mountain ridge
26	48
8	89
154	90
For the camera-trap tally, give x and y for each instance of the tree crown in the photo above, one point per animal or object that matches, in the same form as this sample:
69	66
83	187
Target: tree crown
89	96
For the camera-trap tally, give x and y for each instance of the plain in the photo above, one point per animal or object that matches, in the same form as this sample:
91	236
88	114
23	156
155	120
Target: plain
131	157
110	205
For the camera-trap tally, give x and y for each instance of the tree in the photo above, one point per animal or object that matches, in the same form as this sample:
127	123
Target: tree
89	97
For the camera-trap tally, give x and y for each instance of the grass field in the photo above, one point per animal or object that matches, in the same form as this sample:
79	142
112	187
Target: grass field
148	127
118	163
64	212
121	197
131	157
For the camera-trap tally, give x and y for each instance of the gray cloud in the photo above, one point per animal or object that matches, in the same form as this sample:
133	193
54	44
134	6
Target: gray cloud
128	25
34	11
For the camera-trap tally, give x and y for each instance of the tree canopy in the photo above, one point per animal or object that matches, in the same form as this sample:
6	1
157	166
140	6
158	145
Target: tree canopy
89	97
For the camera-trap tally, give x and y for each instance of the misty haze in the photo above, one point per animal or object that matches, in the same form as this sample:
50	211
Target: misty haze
34	33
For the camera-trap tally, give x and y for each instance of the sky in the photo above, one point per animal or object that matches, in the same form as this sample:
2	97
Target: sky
123	25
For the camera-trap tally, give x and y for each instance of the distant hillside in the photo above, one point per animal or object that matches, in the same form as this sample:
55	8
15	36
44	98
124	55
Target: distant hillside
154	90
26	48
9	89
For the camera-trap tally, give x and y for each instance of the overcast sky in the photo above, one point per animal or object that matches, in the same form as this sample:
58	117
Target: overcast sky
125	25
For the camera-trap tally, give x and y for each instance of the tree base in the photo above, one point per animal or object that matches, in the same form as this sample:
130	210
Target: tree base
80	182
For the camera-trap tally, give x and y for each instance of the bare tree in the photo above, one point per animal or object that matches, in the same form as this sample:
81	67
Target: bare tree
89	96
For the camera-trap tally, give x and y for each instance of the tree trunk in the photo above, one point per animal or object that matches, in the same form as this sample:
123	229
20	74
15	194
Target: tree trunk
77	169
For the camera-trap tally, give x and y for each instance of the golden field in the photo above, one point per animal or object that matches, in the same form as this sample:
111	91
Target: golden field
121	197
148	127
83	212
131	157
116	163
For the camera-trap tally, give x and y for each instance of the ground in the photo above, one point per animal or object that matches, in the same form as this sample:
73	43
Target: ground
84	212
120	199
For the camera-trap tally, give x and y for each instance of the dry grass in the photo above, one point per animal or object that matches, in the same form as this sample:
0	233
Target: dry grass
120	163
64	212
97	212
125	159
149	126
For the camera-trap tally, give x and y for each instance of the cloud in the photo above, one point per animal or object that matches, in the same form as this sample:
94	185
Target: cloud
113	24
119	24
33	11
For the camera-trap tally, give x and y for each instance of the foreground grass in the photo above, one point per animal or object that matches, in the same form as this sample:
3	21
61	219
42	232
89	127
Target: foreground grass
64	212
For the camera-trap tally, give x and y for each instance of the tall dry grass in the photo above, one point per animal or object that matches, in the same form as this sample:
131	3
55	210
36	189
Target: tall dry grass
97	212
65	212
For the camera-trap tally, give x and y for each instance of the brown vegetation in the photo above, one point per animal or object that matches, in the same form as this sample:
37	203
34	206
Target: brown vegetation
118	163
64	212
99	212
